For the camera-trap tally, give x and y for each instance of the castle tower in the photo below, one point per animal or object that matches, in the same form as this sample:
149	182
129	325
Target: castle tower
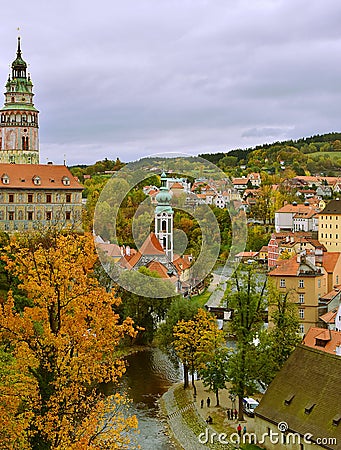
19	142
164	218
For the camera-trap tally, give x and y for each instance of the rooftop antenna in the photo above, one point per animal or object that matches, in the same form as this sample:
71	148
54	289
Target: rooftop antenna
64	159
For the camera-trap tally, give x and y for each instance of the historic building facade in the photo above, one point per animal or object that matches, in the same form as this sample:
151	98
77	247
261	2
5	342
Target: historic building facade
32	195
36	195
329	232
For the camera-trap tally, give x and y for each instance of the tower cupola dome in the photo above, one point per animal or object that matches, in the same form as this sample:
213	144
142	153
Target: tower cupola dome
19	66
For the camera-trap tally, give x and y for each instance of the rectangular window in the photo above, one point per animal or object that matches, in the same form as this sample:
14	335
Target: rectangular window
68	215
48	198
321	234
29	198
301	313
321	225
301	283
301	298
30	215
282	283
48	215
68	198
10	198
11	215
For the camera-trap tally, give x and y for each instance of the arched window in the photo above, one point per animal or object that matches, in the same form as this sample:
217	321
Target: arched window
164	225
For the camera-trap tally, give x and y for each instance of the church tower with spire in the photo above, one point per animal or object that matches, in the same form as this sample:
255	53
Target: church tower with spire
164	218
19	141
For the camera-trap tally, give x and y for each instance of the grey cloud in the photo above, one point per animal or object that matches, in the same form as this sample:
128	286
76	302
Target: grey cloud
121	79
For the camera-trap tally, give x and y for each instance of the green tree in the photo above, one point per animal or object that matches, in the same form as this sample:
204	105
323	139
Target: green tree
214	374
281	339
180	309
246	297
147	309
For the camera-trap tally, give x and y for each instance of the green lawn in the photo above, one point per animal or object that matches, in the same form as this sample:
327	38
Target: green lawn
201	299
332	155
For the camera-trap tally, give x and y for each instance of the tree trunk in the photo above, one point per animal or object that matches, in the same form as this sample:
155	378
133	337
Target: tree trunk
217	397
240	408
186	381
194	387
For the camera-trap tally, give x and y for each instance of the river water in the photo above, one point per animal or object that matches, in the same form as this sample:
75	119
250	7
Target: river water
149	374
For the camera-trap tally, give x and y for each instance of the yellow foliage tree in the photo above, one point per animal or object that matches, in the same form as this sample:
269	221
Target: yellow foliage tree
61	348
195	340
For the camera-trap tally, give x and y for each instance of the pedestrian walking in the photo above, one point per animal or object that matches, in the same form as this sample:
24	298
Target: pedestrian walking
239	430
235	414
244	429
208	401
202	403
229	415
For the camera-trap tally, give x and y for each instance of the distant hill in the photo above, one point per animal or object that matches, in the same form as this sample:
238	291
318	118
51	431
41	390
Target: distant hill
315	154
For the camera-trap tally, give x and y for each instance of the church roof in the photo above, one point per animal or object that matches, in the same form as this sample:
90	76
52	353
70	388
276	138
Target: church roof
151	247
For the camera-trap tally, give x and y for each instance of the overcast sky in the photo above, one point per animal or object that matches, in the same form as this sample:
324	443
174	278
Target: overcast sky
133	77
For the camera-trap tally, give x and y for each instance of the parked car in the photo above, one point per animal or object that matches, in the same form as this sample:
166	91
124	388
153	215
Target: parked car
249	406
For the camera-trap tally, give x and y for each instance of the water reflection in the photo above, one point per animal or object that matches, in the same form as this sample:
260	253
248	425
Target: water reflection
149	374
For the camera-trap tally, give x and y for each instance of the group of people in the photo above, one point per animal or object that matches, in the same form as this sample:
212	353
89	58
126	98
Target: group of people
208	402
239	429
232	414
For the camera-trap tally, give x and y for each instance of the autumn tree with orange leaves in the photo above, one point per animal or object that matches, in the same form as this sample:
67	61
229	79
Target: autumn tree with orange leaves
196	340
55	353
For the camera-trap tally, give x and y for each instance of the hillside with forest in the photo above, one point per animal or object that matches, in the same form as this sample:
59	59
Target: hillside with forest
306	156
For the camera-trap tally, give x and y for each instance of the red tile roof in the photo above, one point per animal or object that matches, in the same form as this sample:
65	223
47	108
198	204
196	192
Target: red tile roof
329	260
240	181
329	317
301	209
111	249
151	246
51	176
177	185
332	339
158	267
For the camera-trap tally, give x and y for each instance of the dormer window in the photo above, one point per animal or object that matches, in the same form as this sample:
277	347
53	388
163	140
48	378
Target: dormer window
309	408
289	399
66	181
337	420
5	179
36	180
